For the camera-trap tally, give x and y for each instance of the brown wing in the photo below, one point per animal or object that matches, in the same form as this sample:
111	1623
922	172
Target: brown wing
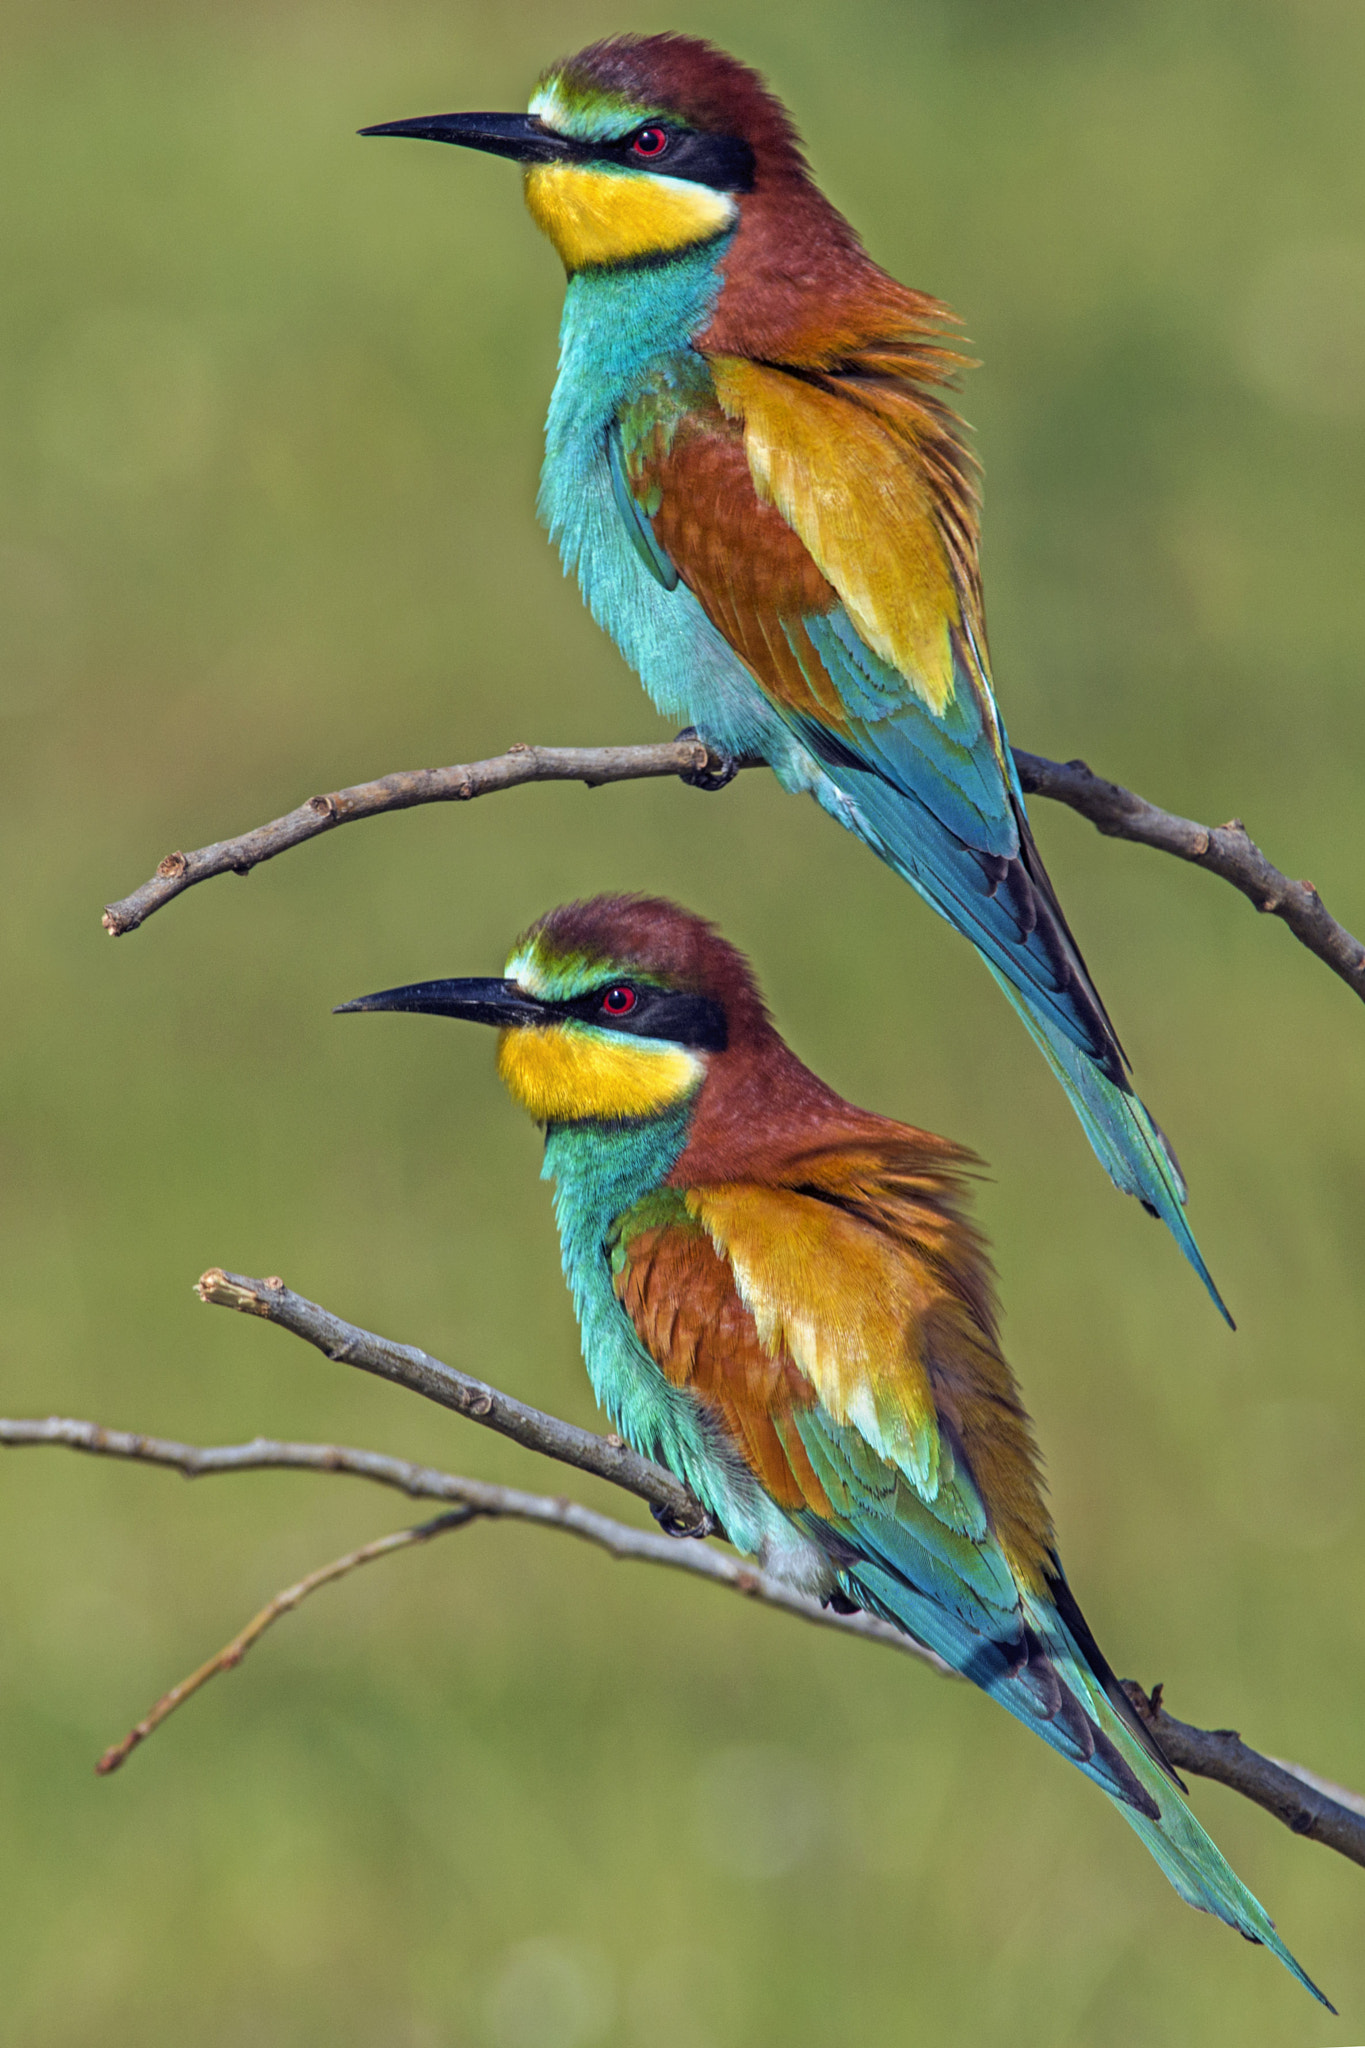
751	572
857	1286
908	1187
681	1296
788	494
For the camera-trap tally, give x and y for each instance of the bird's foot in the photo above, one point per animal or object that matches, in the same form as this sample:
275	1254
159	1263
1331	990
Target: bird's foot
839	1603
683	1525
718	769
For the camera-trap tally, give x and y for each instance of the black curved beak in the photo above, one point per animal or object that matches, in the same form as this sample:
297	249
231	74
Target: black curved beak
483	1002
519	136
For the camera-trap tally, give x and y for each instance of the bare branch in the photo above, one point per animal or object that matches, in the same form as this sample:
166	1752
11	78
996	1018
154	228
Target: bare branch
607	1458
401	792
1307	1804
1225	850
231	1654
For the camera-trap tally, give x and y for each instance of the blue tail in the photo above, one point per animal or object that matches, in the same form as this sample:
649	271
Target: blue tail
1157	1814
1128	1144
1052	1677
1010	913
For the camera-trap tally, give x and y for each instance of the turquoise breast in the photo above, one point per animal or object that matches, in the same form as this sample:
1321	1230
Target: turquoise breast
599	1172
625	331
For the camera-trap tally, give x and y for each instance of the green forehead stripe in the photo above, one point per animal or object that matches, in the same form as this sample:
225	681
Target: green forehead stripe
578	108
559	977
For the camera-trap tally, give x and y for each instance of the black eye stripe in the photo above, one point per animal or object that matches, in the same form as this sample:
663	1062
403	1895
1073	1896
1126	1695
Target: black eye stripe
691	1020
724	162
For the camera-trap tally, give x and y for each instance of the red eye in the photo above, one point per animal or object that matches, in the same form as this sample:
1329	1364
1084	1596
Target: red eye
650	142
619	1002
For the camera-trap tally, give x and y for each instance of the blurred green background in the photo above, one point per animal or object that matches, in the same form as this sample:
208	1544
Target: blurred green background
271	409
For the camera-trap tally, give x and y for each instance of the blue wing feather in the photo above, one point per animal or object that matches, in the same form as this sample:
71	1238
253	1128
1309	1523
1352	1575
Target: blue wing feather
634	518
958	1566
935	794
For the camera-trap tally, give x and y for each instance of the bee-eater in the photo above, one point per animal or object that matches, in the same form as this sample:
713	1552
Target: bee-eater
782	1299
772	511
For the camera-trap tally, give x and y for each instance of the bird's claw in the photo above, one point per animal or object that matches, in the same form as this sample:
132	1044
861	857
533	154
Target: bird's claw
719	767
683	1525
839	1603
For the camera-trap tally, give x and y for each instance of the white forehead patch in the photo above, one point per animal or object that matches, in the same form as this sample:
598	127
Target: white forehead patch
523	968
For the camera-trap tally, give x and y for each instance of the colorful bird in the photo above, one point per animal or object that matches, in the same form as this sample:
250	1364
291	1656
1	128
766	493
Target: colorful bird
782	1299
773	512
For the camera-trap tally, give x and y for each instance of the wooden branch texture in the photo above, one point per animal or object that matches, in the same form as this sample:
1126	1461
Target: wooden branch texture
1307	1804
402	792
1119	813
1226	850
606	1458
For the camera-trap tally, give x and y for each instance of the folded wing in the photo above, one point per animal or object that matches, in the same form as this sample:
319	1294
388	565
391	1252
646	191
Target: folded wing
827	526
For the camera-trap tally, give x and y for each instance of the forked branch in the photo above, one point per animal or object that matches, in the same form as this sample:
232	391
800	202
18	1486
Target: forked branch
1309	1805
470	1500
1225	850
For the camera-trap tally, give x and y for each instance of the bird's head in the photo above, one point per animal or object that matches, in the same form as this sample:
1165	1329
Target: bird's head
611	1011
637	147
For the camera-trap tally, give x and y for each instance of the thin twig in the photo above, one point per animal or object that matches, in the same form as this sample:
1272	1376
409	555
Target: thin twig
231	1654
1307	1804
474	1498
1226	850
1119	813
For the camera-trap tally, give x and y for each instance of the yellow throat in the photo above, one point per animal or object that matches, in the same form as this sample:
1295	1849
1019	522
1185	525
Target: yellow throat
598	217
565	1074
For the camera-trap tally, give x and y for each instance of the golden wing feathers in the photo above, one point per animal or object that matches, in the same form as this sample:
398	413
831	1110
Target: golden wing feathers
850	1306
